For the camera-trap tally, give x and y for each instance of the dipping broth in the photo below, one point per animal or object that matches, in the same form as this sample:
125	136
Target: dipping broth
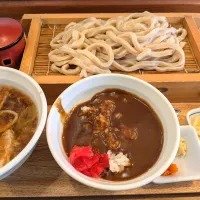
18	122
118	121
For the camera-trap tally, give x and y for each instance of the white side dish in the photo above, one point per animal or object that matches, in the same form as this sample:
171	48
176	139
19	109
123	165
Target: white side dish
188	165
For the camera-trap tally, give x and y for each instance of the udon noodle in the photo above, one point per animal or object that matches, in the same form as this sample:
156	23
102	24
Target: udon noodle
125	43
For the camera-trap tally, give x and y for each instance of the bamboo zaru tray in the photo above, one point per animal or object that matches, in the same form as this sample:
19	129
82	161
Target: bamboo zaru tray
41	28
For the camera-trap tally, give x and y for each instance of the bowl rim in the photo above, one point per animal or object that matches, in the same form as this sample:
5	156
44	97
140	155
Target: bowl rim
29	147
114	187
195	111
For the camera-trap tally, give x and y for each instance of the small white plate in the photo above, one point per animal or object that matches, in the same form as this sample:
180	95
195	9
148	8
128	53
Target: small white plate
189	165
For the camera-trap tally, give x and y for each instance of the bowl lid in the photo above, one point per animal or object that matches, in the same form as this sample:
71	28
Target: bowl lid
11	31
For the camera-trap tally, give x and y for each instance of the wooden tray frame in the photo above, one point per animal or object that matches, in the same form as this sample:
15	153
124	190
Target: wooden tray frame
175	85
34	34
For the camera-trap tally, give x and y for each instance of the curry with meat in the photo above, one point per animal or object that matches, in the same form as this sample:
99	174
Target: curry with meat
18	122
119	124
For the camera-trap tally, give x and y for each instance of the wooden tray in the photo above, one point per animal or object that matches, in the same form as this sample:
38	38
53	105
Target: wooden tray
40	29
46	26
40	176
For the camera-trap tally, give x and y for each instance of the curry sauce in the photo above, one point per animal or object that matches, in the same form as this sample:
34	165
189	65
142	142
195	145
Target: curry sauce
118	121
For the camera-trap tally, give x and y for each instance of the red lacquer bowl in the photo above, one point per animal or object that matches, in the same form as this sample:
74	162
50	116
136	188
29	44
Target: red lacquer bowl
12	42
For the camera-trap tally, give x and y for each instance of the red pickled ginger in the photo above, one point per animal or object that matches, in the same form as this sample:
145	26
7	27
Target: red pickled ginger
85	161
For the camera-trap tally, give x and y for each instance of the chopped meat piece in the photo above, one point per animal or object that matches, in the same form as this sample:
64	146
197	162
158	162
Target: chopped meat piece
107	108
118	115
118	162
100	124
127	132
7	143
116	130
88	113
85	108
125	100
112	141
103	120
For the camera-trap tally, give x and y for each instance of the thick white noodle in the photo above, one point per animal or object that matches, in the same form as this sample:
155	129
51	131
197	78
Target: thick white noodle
125	43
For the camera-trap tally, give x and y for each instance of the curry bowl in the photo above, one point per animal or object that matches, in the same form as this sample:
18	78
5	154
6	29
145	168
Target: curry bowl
16	148
83	91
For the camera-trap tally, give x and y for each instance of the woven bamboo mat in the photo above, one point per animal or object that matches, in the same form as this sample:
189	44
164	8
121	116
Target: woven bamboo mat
42	64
